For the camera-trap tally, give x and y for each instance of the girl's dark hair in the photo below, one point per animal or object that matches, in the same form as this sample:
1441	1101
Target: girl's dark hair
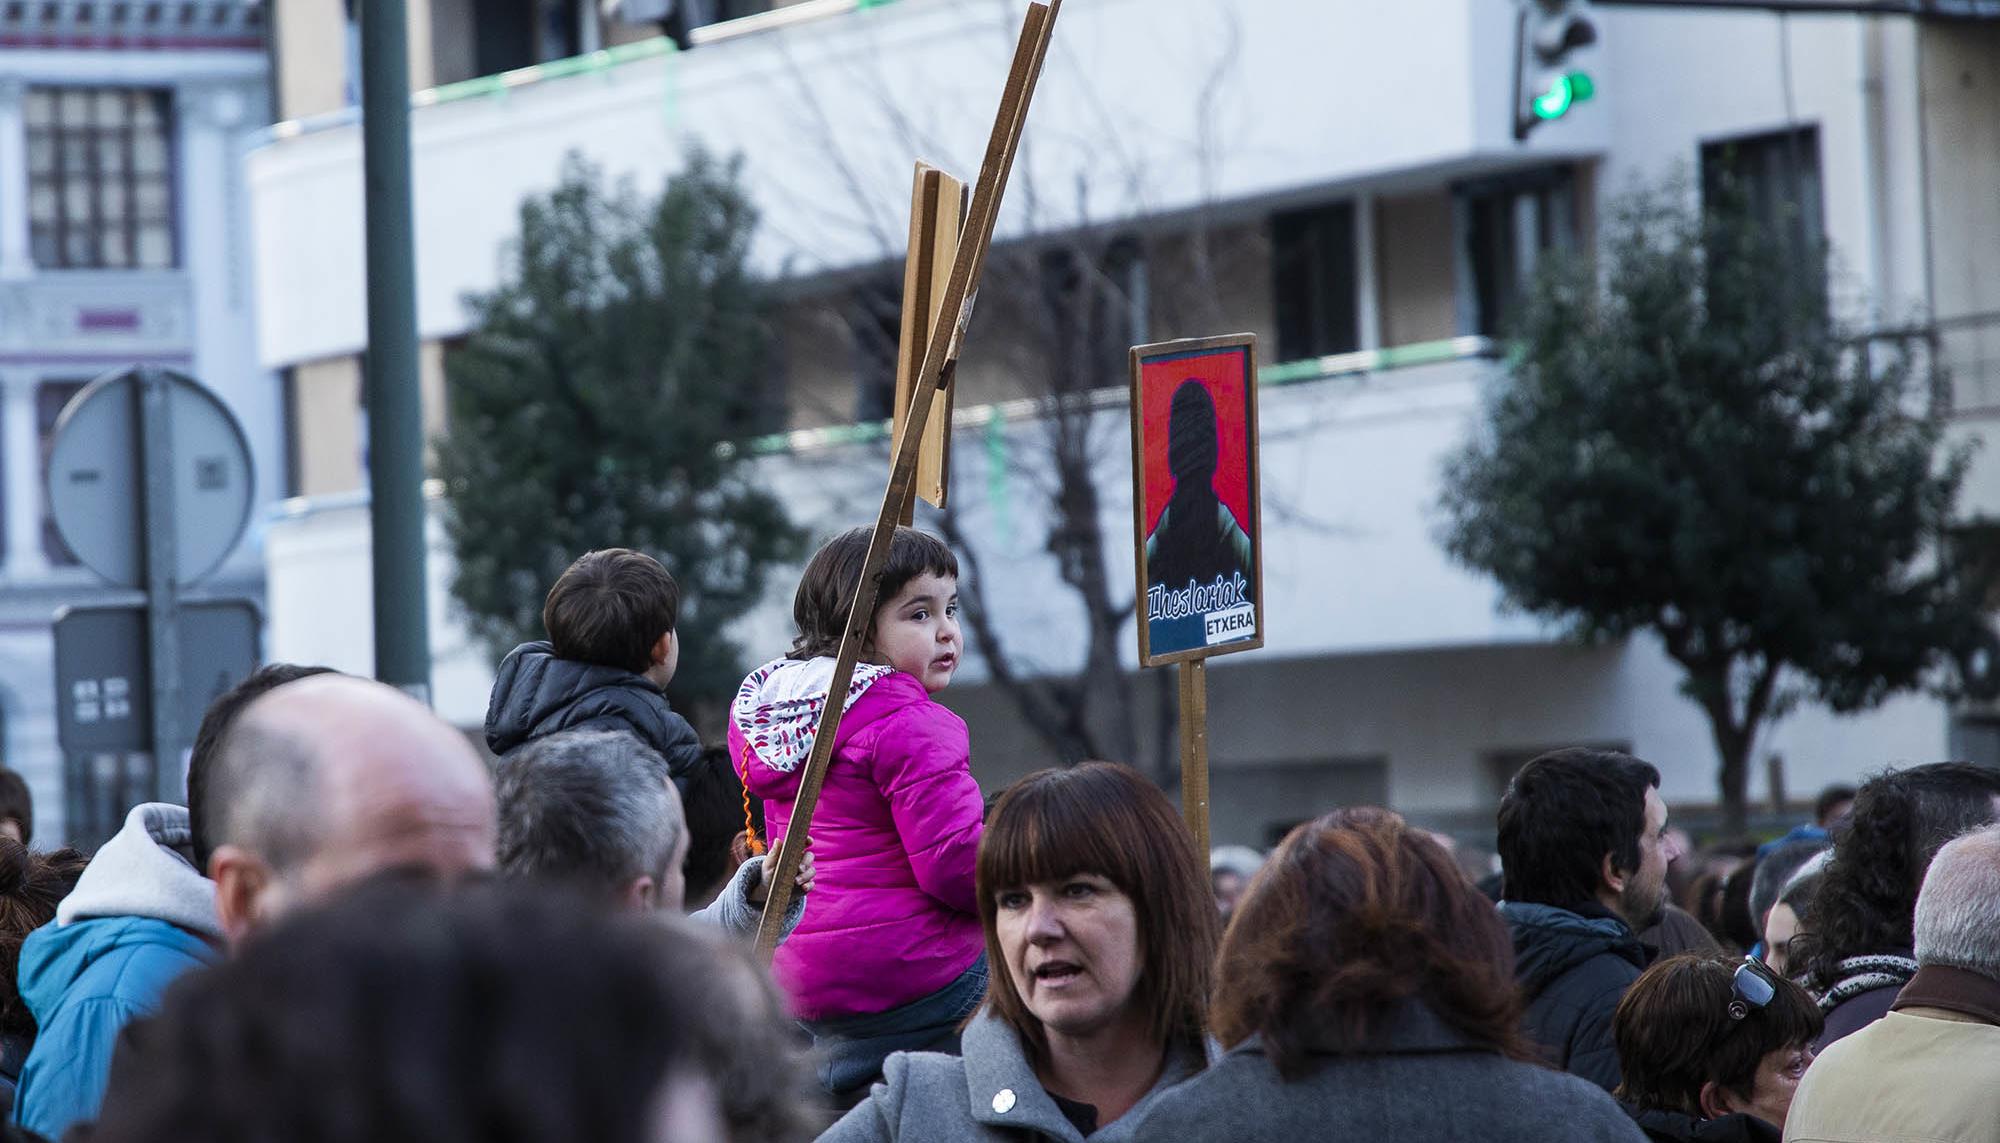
1354	915
1867	894
31	886
408	1013
832	577
1109	821
1675	1033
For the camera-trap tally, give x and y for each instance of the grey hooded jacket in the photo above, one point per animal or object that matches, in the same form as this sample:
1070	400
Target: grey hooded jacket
989	1094
734	913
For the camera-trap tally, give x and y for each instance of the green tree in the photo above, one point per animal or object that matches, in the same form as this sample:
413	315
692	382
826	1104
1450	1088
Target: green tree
1687	444
593	407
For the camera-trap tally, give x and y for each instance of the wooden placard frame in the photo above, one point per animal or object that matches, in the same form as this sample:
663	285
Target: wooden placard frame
946	341
938	204
1247	344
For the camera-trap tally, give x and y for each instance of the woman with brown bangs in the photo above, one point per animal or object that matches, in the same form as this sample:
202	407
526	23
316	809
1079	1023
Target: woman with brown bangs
1366	991
1101	933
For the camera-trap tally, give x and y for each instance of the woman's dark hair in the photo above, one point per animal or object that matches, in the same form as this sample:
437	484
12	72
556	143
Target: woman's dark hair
1109	821
31	886
495	1011
1562	813
832	577
17	802
1675	1033
713	805
1353	916
1867	895
1739	930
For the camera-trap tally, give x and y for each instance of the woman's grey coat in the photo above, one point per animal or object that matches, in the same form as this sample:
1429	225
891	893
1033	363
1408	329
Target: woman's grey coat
987	1095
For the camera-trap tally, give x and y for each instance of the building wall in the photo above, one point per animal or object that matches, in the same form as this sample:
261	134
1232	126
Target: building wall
69	325
1418	267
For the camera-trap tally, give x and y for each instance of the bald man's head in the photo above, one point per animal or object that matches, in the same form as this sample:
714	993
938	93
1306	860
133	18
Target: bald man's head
328	780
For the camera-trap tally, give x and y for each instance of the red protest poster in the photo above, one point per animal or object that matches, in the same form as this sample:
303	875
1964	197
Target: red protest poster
1194	472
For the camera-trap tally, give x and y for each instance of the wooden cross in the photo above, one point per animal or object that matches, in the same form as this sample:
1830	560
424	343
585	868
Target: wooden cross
940	363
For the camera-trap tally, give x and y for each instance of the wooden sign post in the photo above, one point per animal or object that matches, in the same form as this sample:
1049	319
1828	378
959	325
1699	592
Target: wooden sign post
937	217
1197	527
940	361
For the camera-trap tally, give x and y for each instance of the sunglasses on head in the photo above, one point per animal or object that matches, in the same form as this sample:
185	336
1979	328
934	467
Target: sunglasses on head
1751	988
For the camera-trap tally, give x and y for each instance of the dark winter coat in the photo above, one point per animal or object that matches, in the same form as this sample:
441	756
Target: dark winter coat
1662	1126
1574	967
536	694
1420	1080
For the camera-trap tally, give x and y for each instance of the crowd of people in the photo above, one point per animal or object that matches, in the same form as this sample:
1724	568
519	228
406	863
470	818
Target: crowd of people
361	927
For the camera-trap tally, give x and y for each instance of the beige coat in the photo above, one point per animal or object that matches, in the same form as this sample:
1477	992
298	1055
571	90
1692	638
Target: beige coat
1921	1073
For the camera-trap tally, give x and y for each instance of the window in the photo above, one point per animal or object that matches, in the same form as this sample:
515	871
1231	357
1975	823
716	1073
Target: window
874	316
100	178
50	397
1093	301
1507	223
1774	180
1313	272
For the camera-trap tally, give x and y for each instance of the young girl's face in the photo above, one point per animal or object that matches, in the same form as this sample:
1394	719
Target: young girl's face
917	632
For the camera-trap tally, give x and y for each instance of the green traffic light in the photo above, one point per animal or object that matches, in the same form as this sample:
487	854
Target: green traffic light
1567	90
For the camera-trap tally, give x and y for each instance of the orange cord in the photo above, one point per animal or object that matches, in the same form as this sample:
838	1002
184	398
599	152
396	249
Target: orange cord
749	820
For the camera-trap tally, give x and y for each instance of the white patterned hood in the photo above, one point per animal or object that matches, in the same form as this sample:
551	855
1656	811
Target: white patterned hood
777	709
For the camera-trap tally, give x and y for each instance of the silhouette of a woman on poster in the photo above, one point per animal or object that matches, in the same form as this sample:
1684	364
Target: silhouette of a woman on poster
1196	537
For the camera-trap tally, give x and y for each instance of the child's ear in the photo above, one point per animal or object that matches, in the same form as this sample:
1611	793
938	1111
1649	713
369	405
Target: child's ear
662	647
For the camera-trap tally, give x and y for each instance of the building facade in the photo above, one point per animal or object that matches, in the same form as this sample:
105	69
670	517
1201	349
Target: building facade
1340	178
123	240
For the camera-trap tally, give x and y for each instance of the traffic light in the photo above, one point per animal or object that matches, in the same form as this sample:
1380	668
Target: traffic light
1546	85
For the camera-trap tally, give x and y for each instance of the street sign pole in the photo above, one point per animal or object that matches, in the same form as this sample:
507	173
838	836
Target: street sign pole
162	588
395	409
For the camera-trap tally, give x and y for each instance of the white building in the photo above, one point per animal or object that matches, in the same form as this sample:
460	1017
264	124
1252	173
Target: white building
123	223
1355	162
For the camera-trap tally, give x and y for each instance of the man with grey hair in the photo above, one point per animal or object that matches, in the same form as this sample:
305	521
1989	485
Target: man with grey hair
1930	1069
598	809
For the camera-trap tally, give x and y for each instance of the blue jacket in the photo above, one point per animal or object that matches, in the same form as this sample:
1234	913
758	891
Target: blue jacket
86	976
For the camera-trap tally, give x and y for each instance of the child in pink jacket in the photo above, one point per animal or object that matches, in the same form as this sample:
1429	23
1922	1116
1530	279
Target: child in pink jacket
889	955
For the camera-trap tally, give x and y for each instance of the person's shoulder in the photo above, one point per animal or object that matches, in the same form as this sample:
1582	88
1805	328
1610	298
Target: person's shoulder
1560	1106
926	1085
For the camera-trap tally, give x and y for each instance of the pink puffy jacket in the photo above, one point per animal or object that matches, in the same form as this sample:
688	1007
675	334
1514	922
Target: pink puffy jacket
893	915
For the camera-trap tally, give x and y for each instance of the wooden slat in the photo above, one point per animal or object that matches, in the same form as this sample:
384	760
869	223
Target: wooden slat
1194	749
940	363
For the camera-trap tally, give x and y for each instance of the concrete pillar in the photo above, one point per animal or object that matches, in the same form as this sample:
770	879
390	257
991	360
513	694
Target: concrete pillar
16	257
1367	276
21	446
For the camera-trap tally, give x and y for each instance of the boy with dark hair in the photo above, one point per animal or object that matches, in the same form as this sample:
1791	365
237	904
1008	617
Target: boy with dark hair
1584	854
612	649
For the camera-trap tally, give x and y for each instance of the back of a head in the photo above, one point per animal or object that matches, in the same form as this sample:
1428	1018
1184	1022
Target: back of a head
610	607
828	585
1355	915
1676	1031
354	771
31	886
215	723
712	803
587	807
400	1013
1867	893
1958	912
1562	813
17	803
1106	820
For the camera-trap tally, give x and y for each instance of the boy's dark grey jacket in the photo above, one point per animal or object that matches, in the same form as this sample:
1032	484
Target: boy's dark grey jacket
535	694
1573	969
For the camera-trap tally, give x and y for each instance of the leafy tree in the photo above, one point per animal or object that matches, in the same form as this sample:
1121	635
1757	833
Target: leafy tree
1688	444
625	345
